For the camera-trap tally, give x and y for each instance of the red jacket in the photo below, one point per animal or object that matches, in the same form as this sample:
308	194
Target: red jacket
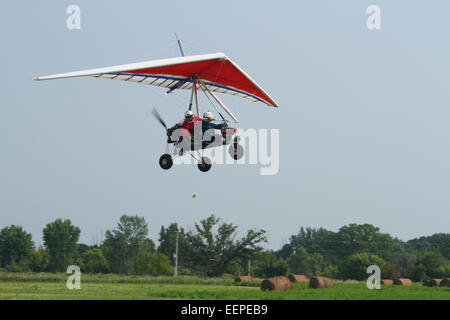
190	125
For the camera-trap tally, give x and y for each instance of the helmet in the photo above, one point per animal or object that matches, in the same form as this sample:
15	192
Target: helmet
188	114
208	115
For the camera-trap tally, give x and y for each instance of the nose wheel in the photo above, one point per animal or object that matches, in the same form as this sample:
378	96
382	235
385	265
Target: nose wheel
205	164
236	151
166	162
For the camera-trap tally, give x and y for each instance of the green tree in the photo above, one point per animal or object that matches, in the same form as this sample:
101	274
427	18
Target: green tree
305	263
355	266
167	241
435	264
418	273
147	245
81	248
39	260
152	263
60	241
285	251
405	262
314	241
266	265
213	252
437	242
331	271
356	238
94	261
333	246
16	246
115	249
389	271
122	245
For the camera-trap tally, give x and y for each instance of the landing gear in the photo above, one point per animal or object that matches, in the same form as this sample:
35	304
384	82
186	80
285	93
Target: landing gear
166	162
205	164
236	151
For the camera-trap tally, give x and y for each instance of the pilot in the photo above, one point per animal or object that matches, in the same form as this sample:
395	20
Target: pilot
188	124
189	119
208	124
187	130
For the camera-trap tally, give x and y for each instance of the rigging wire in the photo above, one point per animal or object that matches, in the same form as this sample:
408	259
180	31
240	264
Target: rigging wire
163	50
177	100
201	86
197	46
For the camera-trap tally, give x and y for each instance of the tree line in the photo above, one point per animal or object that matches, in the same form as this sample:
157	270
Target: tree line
213	248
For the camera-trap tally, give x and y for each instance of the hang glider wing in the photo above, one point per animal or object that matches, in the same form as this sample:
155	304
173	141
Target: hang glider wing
216	71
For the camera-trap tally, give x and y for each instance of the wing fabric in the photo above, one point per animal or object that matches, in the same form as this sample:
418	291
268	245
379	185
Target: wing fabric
216	71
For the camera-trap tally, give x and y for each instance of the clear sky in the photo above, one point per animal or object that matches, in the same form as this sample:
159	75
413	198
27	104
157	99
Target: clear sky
363	118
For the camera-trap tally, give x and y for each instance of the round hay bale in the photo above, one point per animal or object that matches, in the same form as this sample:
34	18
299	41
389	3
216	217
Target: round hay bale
244	279
299	278
403	281
435	282
320	282
387	281
432	282
445	282
276	283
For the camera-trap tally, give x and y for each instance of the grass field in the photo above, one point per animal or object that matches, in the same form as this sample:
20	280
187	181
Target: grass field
196	288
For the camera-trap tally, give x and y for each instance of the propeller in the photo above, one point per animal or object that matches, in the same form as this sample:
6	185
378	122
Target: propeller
163	123
159	118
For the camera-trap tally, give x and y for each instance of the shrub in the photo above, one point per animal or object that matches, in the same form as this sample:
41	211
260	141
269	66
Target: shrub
390	271
94	261
355	266
152	263
14	268
302	262
273	269
39	260
331	271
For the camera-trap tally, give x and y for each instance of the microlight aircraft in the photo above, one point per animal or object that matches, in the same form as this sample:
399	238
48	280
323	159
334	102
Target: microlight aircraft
208	73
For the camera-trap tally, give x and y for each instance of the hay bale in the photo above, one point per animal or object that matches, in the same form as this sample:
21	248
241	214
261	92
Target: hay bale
299	278
276	283
244	279
445	282
403	282
387	281
432	282
320	282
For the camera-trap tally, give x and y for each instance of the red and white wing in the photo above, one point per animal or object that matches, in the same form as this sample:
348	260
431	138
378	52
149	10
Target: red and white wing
216	71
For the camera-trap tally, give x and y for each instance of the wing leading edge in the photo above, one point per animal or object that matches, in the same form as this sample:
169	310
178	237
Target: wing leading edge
216	71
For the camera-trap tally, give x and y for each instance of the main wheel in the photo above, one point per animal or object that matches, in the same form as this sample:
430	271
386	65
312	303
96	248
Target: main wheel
166	162
205	164
236	151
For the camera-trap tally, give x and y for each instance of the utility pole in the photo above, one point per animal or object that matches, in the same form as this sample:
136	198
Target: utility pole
249	267
175	272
